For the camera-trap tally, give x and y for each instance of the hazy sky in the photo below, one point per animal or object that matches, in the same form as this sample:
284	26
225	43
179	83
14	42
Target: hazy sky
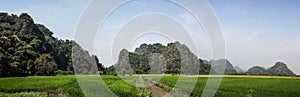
257	32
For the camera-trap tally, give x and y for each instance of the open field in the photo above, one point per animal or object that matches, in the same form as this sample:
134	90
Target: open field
246	86
65	86
231	86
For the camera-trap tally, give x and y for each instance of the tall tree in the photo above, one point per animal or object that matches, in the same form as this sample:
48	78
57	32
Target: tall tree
45	65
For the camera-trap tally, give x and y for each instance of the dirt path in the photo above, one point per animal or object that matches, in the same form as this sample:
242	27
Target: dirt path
155	90
161	92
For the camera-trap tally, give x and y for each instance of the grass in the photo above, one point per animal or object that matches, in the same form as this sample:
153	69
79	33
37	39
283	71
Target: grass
24	94
37	86
35	83
246	86
231	86
260	87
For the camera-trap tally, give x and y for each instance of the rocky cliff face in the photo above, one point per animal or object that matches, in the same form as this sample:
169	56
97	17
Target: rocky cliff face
173	58
280	68
238	70
257	70
222	63
176	58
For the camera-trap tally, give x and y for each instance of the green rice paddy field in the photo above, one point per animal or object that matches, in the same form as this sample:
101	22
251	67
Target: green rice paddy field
231	86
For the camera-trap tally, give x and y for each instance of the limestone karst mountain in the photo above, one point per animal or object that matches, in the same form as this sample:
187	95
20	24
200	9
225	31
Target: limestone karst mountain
257	70
238	70
28	49
176	57
218	65
279	69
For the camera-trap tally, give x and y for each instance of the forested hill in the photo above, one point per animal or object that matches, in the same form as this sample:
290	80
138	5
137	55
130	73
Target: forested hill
157	58
168	59
27	49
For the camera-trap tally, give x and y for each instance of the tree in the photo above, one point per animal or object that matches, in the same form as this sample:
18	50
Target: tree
29	49
45	65
99	65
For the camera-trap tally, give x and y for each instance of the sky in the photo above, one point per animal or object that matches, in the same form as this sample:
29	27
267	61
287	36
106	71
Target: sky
257	32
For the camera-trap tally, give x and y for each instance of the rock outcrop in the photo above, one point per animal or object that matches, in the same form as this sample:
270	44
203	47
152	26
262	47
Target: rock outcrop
279	69
218	65
238	70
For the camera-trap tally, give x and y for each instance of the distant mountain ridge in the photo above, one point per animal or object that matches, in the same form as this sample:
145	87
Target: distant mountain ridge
138	60
279	69
29	49
173	56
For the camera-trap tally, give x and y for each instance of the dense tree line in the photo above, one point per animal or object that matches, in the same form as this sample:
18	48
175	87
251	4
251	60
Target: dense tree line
174	56
27	49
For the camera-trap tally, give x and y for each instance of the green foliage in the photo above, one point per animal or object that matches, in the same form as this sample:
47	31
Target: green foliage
65	85
241	86
123	89
73	90
30	49
37	83
44	65
40	86
231	86
171	55
24	94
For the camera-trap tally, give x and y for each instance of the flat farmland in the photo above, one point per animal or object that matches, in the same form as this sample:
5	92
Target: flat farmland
231	86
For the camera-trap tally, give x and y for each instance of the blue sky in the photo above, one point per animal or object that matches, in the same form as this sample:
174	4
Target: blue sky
257	32
60	16
274	16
